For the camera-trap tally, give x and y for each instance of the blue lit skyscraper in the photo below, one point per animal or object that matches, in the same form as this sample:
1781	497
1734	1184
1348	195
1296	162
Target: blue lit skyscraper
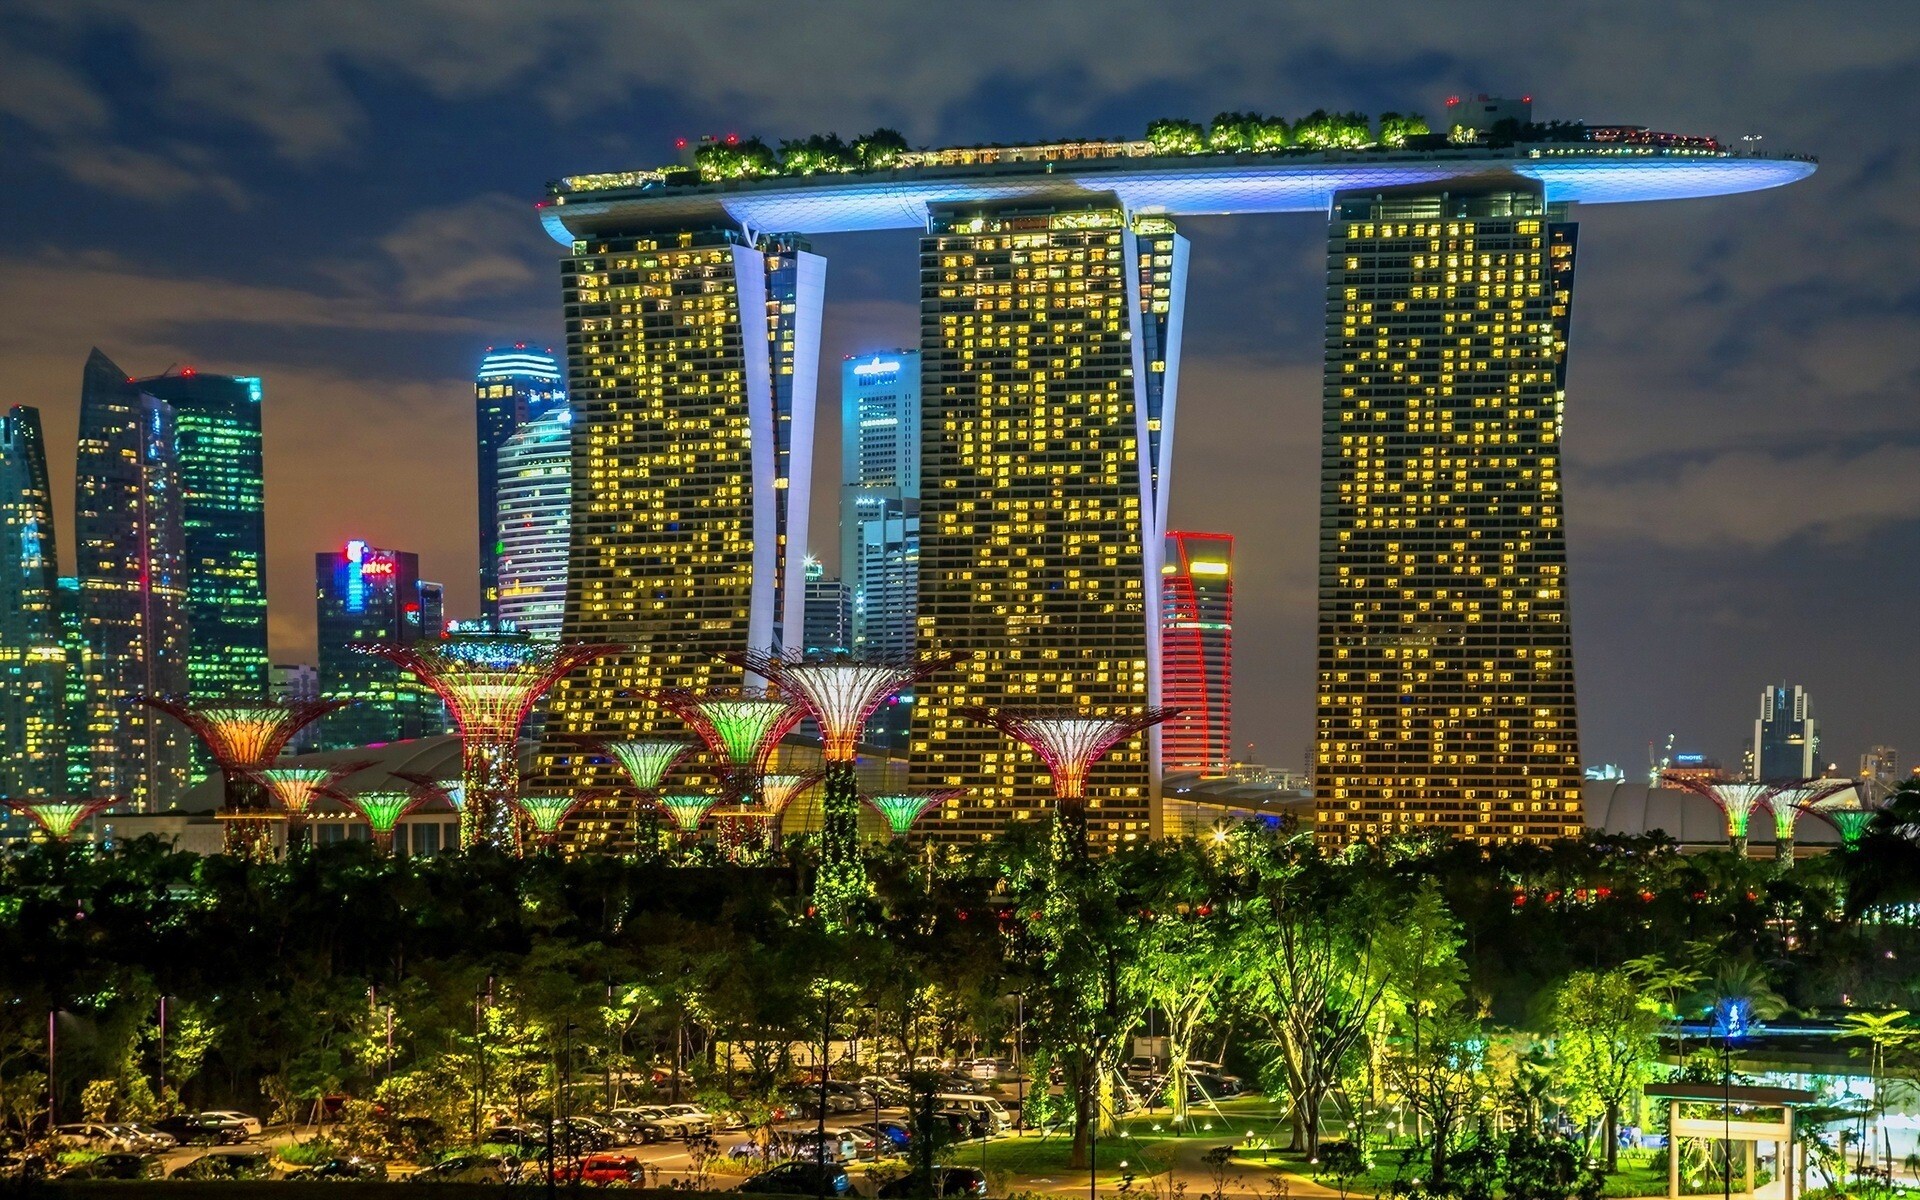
515	385
1786	738
32	657
536	501
880	496
366	594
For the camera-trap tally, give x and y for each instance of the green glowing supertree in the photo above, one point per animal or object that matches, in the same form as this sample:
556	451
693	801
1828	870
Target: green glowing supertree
59	816
1736	799
296	788
740	728
546	811
902	808
646	762
384	808
686	810
1848	815
490	679
1793	799
1070	741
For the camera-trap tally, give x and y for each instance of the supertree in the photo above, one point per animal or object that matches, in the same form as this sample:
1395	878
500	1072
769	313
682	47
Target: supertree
740	728
1735	799
902	808
1848	815
686	810
296	788
59	816
779	789
1070	741
646	761
840	693
743	831
1793	799
383	808
244	736
546	810
490	679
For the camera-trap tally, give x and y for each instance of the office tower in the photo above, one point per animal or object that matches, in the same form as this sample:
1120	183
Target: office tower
32	653
129	546
1786	738
366	594
1446	698
223	510
536	499
880	497
828	614
293	683
514	385
1037	510
73	646
675	544
1879	772
1196	652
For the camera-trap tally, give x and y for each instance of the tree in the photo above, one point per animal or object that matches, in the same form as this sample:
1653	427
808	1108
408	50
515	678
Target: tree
879	149
1884	1036
1396	129
733	159
1181	960
1172	136
1430	1052
1604	1045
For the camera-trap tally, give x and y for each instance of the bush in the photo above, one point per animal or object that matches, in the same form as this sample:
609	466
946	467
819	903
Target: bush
306	1154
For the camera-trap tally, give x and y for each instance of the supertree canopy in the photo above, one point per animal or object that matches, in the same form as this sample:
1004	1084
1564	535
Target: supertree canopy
902	808
244	735
1846	814
59	816
1793	799
546	810
383	808
296	788
740	728
686	809
1070	741
646	762
1736	800
490	679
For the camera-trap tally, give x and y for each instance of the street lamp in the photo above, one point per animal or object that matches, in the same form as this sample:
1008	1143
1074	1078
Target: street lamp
1732	1020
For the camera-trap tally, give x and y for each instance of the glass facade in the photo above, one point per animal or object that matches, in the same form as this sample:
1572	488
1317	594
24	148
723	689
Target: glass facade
1036	529
129	533
1196	616
514	385
536	502
676	542
365	594
1786	738
1446	690
880	497
32	651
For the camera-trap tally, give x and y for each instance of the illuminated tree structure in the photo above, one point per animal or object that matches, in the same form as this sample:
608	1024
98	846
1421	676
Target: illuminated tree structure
779	789
646	762
296	788
1793	800
840	693
546	810
1070	741
740	728
686	810
244	736
383	808
1736	801
58	816
901	809
490	680
1848	815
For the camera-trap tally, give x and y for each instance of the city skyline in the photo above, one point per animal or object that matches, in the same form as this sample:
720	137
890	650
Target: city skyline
1673	610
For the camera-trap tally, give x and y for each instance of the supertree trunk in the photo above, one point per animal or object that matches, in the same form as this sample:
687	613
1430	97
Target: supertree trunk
843	875
1783	850
1070	830
1738	843
249	828
491	775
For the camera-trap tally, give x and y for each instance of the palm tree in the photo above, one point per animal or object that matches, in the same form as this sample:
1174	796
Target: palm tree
1884	1035
1673	984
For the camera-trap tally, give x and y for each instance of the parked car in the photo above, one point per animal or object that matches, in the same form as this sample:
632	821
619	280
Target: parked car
892	1137
1141	1068
984	1068
603	1170
515	1135
202	1129
801	1179
890	1092
954	1181
469	1168
228	1164
350	1166
90	1135
839	1146
652	1124
584	1135
117	1165
773	1149
250	1124
154	1140
694	1119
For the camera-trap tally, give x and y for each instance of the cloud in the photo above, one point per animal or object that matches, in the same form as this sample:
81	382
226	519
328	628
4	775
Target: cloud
47	97
1752	502
485	246
147	175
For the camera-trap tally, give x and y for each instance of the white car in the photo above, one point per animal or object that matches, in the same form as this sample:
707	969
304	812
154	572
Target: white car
694	1119
227	1114
90	1135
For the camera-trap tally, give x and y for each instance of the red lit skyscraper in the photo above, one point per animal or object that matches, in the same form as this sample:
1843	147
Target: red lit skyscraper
1196	646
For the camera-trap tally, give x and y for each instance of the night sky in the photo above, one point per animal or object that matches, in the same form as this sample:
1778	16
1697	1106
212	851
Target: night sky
338	197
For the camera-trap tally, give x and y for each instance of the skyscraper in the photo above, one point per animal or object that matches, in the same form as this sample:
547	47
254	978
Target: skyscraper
828	618
676	540
880	496
1037	518
514	385
1786	738
130	545
366	594
73	645
223	509
32	654
1446	697
536	500
1196	651
295	683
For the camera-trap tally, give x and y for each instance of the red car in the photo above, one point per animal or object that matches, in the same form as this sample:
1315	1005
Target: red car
604	1169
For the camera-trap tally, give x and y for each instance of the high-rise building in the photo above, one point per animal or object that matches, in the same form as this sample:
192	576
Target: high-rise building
223	510
1446	692
1880	770
296	683
536	500
366	594
129	536
1196	652
828	615
674	341
1039	548
73	646
514	385
1786	738
880	497
32	653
